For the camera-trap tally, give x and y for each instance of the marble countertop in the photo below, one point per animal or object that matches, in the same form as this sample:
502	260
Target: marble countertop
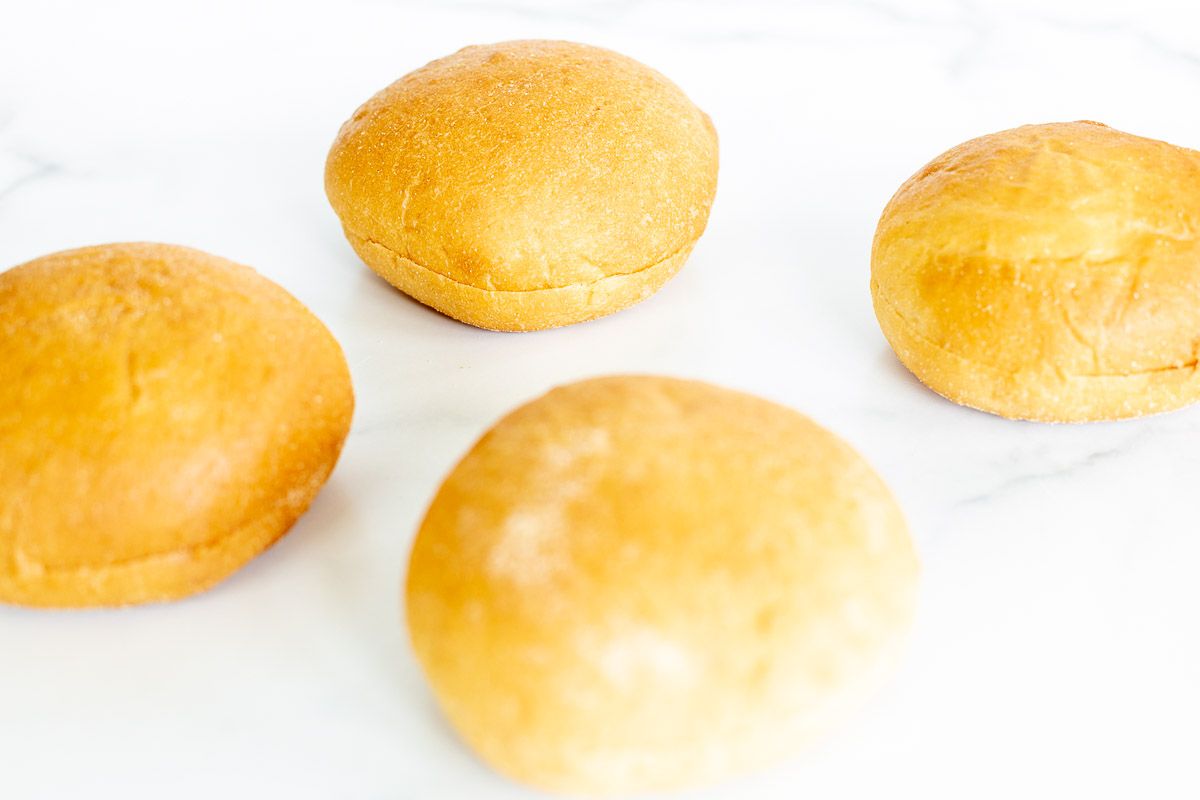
1057	652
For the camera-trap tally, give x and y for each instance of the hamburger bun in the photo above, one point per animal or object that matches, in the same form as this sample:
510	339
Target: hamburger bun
165	415
1049	272
641	583
525	185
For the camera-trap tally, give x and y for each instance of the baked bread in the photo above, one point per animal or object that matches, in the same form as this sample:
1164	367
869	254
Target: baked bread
1050	272
640	583
525	185
165	415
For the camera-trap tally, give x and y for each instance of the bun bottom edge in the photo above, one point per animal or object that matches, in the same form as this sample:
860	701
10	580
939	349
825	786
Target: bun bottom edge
1045	395
161	577
516	311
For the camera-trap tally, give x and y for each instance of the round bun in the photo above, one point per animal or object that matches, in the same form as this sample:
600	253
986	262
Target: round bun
165	415
1050	272
525	185
640	583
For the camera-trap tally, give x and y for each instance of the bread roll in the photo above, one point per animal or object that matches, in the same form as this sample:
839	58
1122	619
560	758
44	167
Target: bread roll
525	185
165	415
1050	272
640	583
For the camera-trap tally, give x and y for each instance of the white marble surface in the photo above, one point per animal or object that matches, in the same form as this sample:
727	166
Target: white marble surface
1058	648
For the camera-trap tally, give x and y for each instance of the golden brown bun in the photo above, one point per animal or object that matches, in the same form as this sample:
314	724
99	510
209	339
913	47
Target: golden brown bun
165	415
525	185
1049	272
639	583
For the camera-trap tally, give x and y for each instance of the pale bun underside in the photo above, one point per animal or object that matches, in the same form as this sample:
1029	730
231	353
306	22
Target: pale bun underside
525	185
640	583
1050	272
165	415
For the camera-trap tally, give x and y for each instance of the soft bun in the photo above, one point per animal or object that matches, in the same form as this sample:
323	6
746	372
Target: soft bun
1050	272
165	415
640	583
525	185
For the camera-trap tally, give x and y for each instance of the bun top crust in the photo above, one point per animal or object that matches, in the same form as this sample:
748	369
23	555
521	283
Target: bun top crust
527	165
1050	254
639	583
153	399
